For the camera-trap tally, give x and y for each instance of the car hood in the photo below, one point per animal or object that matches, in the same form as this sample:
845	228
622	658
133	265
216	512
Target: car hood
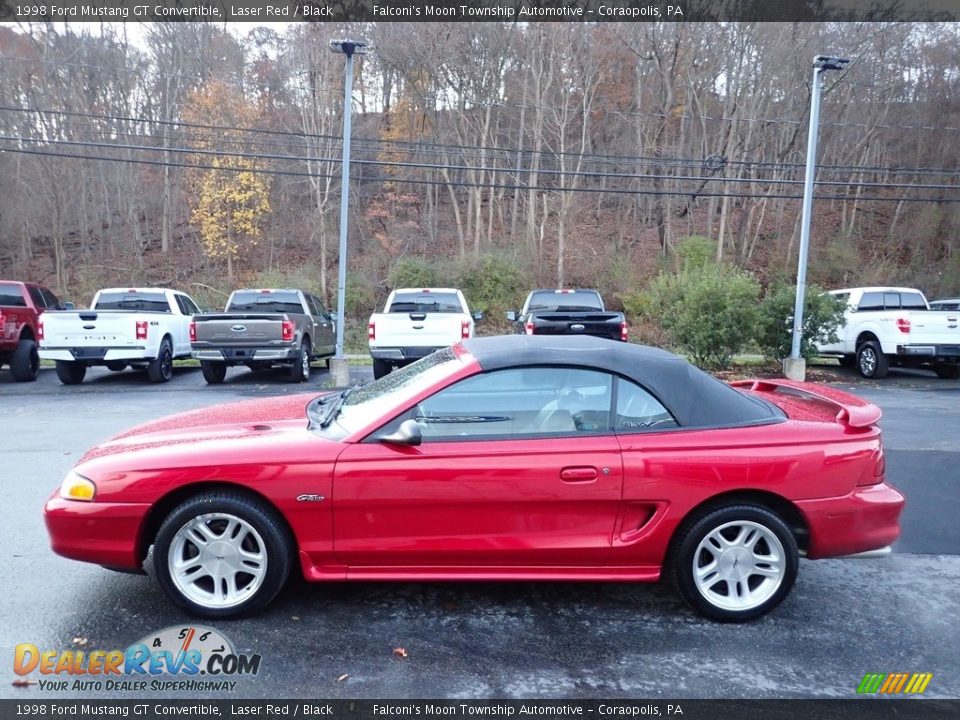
261	424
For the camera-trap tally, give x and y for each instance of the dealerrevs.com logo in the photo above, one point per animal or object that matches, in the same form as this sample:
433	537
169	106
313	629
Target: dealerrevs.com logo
189	658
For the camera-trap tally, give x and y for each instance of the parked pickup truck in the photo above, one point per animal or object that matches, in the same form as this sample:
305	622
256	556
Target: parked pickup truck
263	328
144	328
568	312
414	323
21	305
886	326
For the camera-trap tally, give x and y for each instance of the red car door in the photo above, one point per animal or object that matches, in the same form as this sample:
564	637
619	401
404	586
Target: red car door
516	468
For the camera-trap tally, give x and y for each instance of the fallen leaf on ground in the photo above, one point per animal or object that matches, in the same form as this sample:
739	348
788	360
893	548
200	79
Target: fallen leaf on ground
343	677
400	652
294	617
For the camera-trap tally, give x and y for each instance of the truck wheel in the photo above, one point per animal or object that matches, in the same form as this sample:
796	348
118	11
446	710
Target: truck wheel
947	371
871	362
736	563
25	363
160	370
380	368
213	372
71	372
300	370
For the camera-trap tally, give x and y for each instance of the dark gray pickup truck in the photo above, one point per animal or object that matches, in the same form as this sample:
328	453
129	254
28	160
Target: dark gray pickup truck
568	312
261	329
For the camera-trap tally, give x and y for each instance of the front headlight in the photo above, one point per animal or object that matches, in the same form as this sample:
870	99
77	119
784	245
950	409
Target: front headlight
77	487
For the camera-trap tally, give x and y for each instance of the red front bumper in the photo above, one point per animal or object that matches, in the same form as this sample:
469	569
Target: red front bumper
866	519
102	533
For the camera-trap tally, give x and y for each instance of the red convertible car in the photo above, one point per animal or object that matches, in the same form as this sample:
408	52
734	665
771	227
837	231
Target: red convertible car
506	458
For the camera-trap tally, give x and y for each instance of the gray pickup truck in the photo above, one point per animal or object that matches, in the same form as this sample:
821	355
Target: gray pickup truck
261	329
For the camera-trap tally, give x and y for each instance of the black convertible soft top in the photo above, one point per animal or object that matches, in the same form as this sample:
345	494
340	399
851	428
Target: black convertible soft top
695	398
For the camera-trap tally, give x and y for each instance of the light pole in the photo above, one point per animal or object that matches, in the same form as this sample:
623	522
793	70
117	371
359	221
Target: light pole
795	367
339	370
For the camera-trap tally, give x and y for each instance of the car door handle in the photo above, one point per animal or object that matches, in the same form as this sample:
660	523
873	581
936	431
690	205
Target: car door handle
578	474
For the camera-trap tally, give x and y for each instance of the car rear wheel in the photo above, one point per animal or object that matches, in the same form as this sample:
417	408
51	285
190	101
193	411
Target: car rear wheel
736	563
25	363
222	554
71	372
947	371
300	370
380	368
160	369
871	362
213	372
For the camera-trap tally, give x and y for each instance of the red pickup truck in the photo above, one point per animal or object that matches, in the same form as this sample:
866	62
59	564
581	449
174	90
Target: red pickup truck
21	305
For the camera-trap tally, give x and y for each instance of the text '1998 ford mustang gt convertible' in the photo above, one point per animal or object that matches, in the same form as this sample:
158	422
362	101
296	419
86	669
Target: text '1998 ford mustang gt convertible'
504	458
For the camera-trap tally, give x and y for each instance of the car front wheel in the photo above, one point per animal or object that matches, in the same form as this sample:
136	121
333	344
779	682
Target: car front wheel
735	563
222	554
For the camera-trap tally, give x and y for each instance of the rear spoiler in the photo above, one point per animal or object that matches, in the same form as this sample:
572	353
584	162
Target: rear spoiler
851	411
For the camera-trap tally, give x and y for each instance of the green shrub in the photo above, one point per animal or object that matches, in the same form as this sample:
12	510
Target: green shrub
695	252
822	317
414	272
494	284
707	313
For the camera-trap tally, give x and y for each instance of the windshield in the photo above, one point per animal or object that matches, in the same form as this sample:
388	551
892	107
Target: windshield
565	300
428	302
144	301
265	302
361	405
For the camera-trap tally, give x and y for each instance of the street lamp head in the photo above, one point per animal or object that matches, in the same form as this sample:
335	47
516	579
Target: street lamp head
349	46
826	62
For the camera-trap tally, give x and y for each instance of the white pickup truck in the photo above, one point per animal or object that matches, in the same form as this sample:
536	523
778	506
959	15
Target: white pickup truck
886	326
140	327
414	323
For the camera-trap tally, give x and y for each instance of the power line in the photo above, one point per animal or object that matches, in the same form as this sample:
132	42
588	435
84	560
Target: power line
497	186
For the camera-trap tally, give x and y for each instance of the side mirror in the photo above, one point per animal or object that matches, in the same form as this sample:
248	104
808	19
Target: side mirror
512	315
478	315
407	434
67	306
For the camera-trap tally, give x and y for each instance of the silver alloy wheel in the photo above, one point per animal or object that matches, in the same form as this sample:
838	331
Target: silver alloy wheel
868	361
739	565
305	362
217	560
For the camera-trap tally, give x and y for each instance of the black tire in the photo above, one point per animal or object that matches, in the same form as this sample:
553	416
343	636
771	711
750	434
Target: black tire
848	361
71	372
116	366
947	371
160	369
300	370
871	362
213	372
25	362
269	538
729	520
380	368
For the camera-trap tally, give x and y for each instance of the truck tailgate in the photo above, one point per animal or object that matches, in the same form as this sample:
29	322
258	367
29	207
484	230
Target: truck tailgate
417	329
92	328
238	329
934	327
601	324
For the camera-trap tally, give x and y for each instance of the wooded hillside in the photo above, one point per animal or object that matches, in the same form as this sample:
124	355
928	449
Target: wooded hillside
526	155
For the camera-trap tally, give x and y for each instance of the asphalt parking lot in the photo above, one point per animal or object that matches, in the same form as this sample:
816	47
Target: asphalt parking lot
845	617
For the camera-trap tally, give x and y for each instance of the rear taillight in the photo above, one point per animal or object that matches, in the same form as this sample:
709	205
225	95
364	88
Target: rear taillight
286	331
372	331
464	329
528	328
39	328
141	329
624	332
903	325
193	331
879	469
